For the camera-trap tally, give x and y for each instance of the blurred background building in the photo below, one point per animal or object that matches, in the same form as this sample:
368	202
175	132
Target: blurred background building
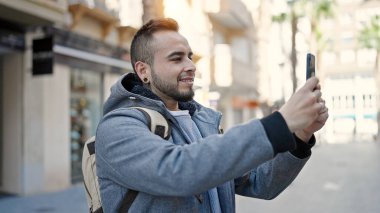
58	59
344	36
350	72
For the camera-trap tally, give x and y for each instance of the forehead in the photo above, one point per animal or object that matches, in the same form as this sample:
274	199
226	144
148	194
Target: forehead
168	41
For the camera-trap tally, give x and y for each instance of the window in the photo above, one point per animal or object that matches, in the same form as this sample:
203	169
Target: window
85	112
240	48
347	56
366	57
223	65
346	19
329	58
347	38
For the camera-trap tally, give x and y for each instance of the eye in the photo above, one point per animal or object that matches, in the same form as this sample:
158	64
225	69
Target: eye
177	59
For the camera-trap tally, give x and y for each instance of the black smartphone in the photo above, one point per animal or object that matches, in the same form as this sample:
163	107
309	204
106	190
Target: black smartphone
310	66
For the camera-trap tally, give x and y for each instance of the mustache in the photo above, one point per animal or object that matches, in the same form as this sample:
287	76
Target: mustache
188	74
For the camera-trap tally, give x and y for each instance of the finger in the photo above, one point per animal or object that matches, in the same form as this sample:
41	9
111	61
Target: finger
322	118
311	83
321	100
318	87
318	107
323	109
317	94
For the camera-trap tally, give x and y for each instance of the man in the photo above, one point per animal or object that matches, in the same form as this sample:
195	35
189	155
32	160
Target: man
197	169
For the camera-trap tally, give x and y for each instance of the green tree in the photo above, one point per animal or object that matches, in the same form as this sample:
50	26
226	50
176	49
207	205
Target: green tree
293	16
316	10
320	9
280	19
369	37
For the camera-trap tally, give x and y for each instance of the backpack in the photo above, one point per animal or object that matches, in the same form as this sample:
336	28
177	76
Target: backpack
157	124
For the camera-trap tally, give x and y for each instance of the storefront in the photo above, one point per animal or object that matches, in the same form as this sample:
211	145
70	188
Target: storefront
54	76
85	111
47	115
93	66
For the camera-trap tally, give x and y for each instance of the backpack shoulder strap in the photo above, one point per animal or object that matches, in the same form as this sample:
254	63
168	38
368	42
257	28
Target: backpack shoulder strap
89	176
157	123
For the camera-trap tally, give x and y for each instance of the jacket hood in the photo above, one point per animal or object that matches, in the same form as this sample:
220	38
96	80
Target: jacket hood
129	91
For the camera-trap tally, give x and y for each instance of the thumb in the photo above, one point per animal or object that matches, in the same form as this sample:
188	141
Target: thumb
311	83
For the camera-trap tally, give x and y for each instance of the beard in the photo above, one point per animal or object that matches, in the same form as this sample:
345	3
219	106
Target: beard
171	89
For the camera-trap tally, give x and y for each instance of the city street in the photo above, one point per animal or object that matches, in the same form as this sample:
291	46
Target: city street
64	64
339	178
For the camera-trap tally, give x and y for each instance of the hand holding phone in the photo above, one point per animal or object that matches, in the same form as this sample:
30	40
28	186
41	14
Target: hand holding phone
310	66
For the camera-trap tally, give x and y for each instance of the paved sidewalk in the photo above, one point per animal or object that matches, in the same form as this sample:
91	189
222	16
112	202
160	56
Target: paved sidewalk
339	178
71	200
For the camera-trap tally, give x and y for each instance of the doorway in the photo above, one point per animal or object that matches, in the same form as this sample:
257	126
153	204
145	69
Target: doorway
85	112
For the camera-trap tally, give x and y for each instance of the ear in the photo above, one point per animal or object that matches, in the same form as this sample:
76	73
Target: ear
142	70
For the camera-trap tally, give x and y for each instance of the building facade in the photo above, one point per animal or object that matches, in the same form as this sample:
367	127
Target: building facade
222	36
344	66
59	58
57	62
349	75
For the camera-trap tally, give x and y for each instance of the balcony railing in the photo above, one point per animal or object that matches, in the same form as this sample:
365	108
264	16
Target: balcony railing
96	10
231	14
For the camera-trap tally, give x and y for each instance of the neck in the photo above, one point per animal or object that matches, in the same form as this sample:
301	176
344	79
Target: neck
169	102
171	105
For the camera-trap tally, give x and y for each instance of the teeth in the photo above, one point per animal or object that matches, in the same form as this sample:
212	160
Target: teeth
187	80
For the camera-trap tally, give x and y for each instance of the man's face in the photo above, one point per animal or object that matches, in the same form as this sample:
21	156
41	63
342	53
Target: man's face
173	71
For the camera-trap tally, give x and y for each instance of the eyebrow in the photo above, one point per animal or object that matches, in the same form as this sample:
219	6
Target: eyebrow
179	53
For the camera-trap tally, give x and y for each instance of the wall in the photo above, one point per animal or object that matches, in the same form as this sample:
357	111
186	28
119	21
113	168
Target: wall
56	95
12	123
46	129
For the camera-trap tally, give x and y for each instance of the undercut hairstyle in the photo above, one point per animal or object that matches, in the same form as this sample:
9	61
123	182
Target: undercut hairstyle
141	46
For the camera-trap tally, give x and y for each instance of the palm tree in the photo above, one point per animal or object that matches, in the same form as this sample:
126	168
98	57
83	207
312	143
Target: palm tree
319	9
369	37
280	19
293	55
293	17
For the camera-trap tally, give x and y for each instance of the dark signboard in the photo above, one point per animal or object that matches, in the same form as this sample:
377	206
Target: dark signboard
43	56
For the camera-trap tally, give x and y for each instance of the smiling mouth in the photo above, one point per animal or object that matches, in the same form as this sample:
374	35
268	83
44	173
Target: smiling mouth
187	80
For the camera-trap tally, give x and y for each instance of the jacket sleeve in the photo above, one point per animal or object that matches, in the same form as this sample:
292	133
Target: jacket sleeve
130	155
272	177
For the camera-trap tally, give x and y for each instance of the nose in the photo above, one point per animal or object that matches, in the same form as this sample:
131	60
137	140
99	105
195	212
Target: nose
190	66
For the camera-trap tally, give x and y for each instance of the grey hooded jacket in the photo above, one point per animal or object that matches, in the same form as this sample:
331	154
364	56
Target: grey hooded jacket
257	159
